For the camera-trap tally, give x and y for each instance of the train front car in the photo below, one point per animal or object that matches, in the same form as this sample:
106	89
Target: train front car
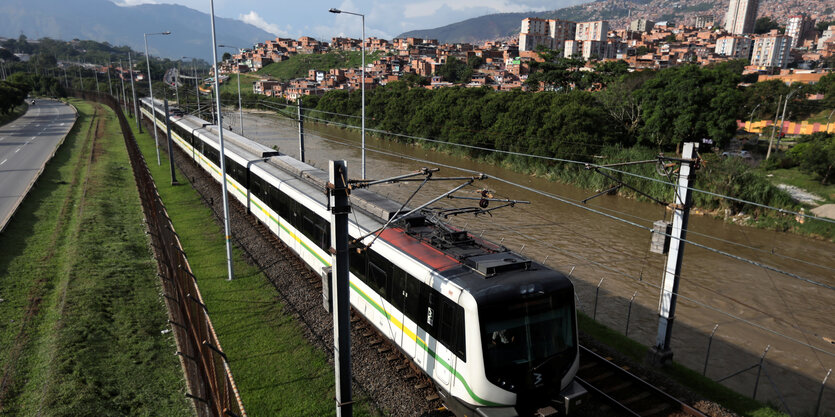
528	330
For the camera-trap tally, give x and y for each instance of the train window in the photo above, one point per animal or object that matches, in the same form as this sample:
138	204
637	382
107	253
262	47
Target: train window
451	327
314	231
377	278
356	261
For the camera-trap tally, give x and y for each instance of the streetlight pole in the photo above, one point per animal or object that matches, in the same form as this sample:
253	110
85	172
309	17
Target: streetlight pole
362	86
177	84
751	118
151	87
827	121
240	109
228	229
782	120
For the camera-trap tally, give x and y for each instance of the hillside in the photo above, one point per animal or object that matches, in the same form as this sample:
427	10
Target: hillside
617	12
298	65
104	21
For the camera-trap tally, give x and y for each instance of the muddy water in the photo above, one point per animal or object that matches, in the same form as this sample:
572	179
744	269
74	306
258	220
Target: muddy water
753	307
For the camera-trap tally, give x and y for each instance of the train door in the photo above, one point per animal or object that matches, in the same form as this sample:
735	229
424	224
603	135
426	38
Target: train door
411	306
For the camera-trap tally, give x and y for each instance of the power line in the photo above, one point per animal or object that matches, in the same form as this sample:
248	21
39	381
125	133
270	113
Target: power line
569	161
584	207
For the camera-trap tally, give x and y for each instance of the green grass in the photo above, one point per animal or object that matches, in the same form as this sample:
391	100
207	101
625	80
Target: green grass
14	114
795	177
277	371
298	65
688	378
231	85
821	117
80	333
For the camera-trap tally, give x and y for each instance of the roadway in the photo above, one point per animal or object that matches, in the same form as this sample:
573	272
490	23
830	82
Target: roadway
25	146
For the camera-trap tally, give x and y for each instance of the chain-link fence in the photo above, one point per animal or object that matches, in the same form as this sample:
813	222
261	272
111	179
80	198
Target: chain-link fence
206	368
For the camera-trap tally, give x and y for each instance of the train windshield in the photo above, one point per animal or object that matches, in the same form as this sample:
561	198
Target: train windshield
528	339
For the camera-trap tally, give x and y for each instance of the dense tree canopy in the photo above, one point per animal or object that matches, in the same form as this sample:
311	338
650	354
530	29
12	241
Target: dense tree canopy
815	154
688	103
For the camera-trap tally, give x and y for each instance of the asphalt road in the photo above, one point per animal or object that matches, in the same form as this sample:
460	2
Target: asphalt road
25	146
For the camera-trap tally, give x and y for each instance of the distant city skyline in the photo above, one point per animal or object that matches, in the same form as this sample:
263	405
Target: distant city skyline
384	18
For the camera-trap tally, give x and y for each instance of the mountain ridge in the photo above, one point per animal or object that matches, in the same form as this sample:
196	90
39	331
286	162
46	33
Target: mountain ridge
104	21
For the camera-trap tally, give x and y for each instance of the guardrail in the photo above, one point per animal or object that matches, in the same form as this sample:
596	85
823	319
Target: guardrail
209	377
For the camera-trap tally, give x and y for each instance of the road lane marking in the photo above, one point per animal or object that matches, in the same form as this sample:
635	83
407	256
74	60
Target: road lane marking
17	150
4	161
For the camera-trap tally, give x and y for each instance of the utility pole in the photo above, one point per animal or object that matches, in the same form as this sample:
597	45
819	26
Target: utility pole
170	145
133	93
301	130
661	353
122	79
340	207
109	84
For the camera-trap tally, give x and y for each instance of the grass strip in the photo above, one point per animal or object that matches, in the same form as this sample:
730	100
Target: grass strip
686	377
83	302
277	371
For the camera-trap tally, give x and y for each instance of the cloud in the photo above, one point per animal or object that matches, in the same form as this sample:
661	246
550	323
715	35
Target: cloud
431	7
129	3
255	20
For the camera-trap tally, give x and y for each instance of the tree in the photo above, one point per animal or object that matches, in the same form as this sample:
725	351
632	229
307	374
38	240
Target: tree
454	70
765	25
823	25
688	103
622	105
475	61
815	154
226	56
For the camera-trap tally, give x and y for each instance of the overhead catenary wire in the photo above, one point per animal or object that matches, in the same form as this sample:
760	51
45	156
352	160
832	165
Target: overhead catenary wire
635	279
563	160
571	202
731	315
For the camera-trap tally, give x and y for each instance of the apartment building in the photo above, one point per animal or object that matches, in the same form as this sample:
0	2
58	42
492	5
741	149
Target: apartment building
771	50
741	16
736	47
799	27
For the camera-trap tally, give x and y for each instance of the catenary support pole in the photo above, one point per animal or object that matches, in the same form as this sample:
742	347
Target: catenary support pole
170	145
661	353
301	130
109	84
122	80
133	93
340	207
227	227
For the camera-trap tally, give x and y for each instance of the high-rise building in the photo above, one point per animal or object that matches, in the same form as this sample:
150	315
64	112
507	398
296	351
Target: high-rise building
771	50
641	25
741	16
551	33
592	31
799	27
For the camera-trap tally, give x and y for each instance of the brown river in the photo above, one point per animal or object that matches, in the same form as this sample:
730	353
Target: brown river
752	306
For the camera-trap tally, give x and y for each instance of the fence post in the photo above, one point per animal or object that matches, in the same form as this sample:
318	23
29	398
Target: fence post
709	342
629	314
596	294
759	371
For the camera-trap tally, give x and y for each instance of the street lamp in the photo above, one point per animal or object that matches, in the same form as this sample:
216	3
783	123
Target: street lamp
240	109
337	11
151	87
827	121
226	226
751	120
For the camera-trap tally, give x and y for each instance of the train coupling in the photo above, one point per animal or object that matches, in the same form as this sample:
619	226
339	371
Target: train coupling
569	399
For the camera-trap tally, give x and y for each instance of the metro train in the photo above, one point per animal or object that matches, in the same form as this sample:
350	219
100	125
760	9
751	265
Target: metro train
495	331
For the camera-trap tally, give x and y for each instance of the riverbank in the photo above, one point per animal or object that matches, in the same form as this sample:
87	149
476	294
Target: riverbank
82	312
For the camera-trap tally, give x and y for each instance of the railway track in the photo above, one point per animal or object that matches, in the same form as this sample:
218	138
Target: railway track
607	382
627	393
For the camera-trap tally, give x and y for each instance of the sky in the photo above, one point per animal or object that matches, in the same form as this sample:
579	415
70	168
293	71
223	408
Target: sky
383	18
